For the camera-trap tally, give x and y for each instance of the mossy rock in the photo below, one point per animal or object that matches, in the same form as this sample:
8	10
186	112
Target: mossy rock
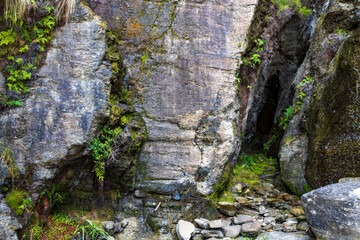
16	201
334	121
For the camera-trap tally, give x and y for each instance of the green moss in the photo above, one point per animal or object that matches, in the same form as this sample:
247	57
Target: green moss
307	188
16	200
126	119
247	171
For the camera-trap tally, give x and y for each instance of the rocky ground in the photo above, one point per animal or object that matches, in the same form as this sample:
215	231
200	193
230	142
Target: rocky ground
263	210
254	205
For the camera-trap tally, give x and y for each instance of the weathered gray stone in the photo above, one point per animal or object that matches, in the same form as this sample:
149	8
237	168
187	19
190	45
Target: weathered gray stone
203	223
290	225
187	84
2	84
212	233
219	223
251	229
237	188
284	236
303	226
109	225
240	219
8	224
269	220
124	223
66	104
231	230
118	228
226	208
332	211
184	230
293	157
140	194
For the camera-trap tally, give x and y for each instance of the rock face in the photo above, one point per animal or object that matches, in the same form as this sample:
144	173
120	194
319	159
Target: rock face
321	142
180	59
8	224
333	212
67	103
334	125
293	162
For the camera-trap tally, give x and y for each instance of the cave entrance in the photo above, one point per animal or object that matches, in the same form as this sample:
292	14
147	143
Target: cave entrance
265	120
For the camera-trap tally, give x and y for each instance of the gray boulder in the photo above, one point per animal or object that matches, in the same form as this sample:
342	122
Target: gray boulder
333	211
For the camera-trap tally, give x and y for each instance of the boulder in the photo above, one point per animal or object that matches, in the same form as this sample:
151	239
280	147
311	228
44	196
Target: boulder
184	230
332	211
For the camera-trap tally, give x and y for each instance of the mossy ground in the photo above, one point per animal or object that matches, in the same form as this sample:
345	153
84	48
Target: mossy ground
247	171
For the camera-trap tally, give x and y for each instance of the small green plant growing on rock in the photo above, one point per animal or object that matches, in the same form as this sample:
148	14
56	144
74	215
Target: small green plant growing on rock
286	118
18	201
101	148
92	230
254	59
294	5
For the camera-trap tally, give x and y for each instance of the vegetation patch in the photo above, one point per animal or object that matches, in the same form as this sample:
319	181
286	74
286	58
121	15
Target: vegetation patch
19	201
294	5
247	171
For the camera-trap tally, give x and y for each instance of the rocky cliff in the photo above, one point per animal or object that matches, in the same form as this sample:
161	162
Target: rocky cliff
139	103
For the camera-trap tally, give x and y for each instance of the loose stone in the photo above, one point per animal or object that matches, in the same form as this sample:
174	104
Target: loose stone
184	230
